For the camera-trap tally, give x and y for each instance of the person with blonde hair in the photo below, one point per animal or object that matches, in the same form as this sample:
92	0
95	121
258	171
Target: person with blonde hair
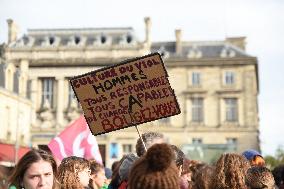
74	173
36	169
230	172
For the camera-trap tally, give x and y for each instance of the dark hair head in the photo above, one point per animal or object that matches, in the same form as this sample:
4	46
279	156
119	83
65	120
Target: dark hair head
25	163
68	171
278	174
156	169
202	178
149	139
95	167
159	157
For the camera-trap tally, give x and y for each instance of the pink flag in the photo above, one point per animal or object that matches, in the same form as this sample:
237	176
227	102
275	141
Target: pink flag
76	140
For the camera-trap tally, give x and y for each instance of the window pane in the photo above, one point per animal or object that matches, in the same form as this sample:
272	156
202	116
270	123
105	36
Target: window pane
231	141
196	141
229	78
127	148
165	120
231	109
195	78
197	109
29	89
71	95
47	90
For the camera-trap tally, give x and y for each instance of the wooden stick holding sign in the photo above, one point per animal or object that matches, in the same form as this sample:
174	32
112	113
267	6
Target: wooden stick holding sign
138	85
141	138
130	111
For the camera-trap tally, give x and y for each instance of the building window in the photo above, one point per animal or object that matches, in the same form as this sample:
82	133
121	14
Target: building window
231	141
197	109
71	95
196	140
195	79
165	121
47	90
231	109
9	136
29	89
7	122
126	148
229	78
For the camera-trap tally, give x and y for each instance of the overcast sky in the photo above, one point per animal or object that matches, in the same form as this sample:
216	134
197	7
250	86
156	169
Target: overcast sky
261	21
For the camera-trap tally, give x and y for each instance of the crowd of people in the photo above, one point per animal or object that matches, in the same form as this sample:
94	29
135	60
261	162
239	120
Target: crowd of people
156	165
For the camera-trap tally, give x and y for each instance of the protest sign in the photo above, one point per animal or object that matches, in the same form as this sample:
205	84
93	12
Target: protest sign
126	94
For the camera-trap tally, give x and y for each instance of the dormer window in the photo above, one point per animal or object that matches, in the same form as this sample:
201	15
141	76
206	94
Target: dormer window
51	40
227	52
129	39
103	39
77	40
26	40
194	52
163	52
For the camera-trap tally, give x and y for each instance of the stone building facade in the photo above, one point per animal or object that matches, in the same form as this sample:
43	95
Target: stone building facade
216	83
15	111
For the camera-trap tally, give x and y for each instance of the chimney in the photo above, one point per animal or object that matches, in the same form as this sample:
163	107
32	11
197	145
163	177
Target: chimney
148	24
12	31
239	42
178	41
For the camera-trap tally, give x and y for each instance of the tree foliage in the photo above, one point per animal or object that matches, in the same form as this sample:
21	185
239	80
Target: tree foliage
278	159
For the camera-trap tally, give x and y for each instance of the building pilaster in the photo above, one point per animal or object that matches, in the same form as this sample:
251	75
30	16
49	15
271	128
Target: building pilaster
24	68
34	97
60	100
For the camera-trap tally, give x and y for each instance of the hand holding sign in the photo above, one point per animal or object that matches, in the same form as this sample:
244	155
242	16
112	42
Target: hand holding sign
132	92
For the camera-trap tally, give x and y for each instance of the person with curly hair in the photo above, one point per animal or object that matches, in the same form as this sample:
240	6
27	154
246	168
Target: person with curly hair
202	177
74	173
259	178
230	172
36	169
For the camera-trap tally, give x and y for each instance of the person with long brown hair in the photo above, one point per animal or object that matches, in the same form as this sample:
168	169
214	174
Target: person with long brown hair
202	178
98	177
74	173
36	169
230	172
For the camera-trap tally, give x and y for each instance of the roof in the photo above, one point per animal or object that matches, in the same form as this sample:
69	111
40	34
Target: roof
199	49
120	38
76	37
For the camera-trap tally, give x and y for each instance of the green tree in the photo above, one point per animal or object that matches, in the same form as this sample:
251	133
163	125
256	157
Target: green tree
278	159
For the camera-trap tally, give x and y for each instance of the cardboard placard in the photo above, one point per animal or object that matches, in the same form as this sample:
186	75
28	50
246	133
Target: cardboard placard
126	94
